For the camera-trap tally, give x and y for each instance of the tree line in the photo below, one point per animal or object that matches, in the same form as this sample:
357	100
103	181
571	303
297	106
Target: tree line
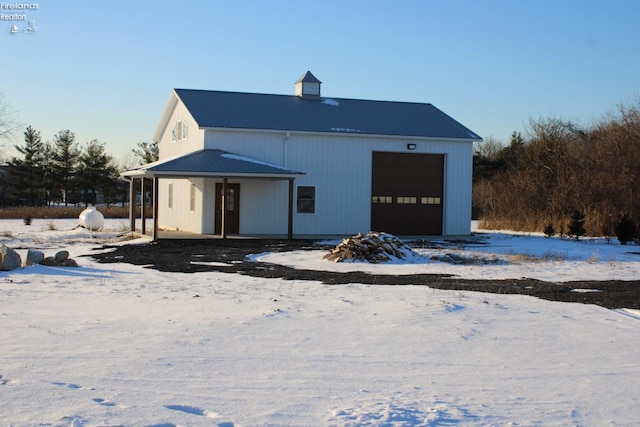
64	172
562	172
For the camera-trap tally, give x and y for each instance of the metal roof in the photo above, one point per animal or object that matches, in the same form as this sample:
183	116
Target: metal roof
308	78
213	163
239	110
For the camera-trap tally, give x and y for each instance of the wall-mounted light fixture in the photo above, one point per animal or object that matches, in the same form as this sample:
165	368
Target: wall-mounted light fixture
411	146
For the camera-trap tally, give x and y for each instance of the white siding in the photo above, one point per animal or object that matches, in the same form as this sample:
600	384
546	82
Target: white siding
263	206
180	216
208	206
339	166
167	147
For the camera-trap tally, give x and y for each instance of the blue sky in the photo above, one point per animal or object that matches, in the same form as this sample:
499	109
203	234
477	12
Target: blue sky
105	69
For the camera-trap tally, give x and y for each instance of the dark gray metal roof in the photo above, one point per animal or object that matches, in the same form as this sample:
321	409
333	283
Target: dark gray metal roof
238	110
308	78
213	163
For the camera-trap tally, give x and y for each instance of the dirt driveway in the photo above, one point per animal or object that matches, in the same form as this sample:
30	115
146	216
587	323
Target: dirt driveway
230	256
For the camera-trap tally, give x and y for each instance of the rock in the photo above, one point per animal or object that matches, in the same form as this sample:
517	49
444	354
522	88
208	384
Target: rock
69	262
9	259
61	256
457	258
34	257
60	259
50	261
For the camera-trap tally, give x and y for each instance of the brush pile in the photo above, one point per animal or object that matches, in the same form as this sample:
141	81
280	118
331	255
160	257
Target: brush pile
373	247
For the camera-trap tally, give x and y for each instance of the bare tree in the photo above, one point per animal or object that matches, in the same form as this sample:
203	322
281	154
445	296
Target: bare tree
8	119
128	161
489	148
564	167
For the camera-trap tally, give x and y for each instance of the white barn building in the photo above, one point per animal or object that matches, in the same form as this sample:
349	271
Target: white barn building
305	165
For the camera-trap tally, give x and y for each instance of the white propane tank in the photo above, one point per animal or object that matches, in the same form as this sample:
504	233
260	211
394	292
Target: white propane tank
91	219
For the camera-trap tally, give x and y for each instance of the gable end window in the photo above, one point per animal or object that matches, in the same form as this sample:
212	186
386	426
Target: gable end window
306	200
180	131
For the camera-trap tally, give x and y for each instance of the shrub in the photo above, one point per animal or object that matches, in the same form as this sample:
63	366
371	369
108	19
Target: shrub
626	230
27	220
576	227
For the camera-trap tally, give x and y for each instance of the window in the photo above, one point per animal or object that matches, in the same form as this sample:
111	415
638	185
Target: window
306	201
231	199
405	200
185	130
192	197
170	196
430	200
382	199
180	131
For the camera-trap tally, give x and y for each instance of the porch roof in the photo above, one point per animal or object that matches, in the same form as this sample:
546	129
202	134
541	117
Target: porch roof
210	162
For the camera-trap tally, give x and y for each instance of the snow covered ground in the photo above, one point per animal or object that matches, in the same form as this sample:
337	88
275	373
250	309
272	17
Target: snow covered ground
498	255
117	344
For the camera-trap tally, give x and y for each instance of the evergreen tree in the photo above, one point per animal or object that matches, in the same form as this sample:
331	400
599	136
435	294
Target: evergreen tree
99	175
48	181
115	189
510	155
65	158
93	173
27	172
146	152
626	230
576	227
549	231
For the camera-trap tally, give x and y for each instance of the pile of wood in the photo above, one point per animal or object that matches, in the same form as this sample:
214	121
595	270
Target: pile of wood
373	247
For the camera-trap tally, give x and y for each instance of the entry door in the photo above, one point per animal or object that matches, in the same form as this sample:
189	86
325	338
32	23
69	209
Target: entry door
232	216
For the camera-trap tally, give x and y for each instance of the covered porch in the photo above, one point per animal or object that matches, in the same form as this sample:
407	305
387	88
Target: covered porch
209	163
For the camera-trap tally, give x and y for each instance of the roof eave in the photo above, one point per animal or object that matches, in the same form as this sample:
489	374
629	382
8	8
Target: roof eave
470	138
183	174
166	115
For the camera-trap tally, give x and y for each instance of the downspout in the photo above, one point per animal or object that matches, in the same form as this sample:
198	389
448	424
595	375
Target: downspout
285	149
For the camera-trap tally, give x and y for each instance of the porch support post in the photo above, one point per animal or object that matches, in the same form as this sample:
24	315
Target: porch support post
154	201
290	219
223	222
132	204
143	206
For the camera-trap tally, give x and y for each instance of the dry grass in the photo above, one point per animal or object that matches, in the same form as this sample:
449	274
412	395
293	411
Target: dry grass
61	212
547	256
520	258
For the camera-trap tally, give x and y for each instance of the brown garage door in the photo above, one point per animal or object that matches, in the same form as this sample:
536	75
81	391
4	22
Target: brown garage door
406	193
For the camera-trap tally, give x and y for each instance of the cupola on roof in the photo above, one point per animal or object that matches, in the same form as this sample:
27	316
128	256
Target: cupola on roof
308	85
